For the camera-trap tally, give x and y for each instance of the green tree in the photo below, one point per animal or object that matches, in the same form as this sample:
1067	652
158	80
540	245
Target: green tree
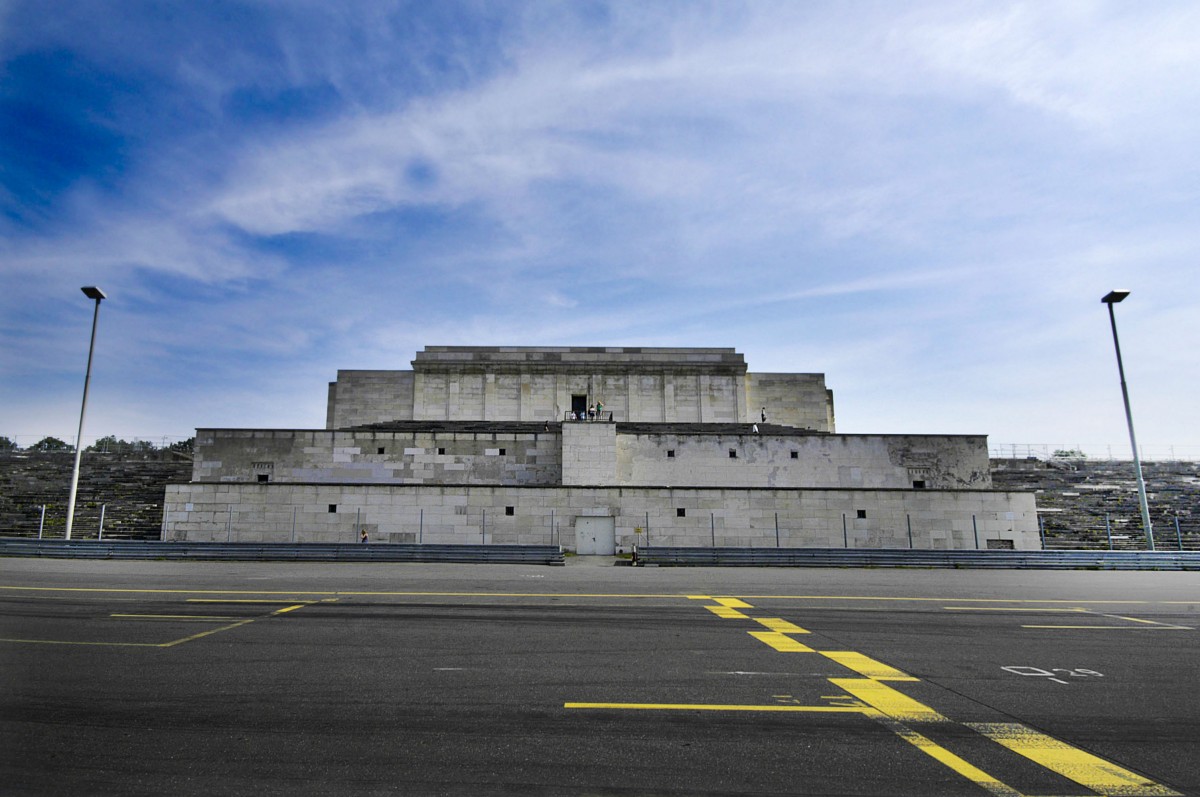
7	445
107	443
50	444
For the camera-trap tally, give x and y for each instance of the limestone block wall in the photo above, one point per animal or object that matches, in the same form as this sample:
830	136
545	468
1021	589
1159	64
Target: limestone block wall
589	453
358	398
376	457
761	460
799	400
277	512
536	384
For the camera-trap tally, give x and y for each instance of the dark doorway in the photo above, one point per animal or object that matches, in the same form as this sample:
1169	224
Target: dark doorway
579	406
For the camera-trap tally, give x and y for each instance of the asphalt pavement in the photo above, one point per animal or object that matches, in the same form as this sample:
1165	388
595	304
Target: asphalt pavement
594	679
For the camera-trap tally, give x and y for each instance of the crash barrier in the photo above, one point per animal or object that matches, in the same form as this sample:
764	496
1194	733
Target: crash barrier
282	551
905	557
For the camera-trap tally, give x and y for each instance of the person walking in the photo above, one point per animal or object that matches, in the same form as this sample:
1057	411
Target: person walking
363	538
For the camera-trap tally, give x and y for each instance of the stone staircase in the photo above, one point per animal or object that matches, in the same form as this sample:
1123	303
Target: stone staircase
1074	497
130	487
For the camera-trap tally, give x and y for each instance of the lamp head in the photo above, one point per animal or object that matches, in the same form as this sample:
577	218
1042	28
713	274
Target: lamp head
1112	297
92	292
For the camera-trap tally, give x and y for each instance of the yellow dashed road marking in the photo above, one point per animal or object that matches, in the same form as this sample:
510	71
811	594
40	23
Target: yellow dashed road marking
781	642
887	700
865	665
780	626
1070	762
727	613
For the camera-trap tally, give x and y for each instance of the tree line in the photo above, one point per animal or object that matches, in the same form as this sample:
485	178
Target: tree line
104	445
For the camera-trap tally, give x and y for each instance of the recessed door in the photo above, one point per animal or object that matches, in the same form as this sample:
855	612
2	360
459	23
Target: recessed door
596	536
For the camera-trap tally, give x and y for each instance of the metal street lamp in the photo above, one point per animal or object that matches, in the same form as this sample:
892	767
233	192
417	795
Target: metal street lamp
91	292
1111	298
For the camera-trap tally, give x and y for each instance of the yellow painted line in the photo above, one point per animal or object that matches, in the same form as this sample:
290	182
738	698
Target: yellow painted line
865	665
733	603
781	642
1011	609
1084	768
1140	620
727	613
699	597
290	608
197	617
781	626
945	757
210	632
1117	627
894	704
715	707
238	600
918	599
95	644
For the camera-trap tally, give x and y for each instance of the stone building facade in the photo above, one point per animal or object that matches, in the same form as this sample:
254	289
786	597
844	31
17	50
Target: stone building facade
495	445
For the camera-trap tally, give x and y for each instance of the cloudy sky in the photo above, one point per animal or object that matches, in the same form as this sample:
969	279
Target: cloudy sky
923	200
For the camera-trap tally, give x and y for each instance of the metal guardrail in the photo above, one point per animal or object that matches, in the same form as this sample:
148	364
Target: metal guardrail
904	557
282	552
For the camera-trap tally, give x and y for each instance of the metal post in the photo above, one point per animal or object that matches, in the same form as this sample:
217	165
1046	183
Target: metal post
100	534
229	524
1108	530
1042	531
712	525
1178	536
1110	300
845	534
647	529
908	519
357	524
483	530
42	522
776	529
294	523
421	528
552	526
975	528
98	295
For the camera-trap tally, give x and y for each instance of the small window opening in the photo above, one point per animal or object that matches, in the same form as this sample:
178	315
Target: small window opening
670	453
263	478
332	508
862	513
795	455
503	451
379	450
733	453
918	484
680	512
510	510
441	451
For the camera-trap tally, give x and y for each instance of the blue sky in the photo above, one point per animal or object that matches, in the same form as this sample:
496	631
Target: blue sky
925	201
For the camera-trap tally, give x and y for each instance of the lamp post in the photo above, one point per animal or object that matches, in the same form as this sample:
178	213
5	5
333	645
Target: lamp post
1111	298
91	292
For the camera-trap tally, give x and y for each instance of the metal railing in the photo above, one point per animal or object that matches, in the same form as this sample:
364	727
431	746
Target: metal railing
596	417
282	551
919	558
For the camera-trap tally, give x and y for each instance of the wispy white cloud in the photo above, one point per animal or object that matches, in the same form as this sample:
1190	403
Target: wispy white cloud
924	200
